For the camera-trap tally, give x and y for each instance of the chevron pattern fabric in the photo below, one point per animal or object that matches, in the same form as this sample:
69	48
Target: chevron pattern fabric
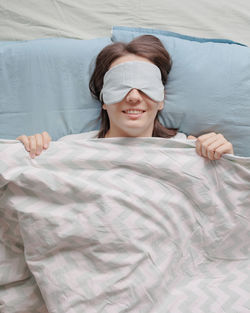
123	225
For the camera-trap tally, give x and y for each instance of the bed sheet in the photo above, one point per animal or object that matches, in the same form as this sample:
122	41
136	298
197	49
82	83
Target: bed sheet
30	19
123	225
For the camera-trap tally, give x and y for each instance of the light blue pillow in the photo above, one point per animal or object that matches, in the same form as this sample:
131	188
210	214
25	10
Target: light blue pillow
44	86
208	87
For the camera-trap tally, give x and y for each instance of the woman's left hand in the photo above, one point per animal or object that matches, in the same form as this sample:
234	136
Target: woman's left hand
212	146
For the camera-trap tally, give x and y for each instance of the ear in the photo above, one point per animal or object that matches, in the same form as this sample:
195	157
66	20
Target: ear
104	106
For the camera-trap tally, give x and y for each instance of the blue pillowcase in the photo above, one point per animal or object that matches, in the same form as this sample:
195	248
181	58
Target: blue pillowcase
208	88
44	86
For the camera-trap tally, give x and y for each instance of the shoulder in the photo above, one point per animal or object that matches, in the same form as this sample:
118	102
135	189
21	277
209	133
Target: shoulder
87	135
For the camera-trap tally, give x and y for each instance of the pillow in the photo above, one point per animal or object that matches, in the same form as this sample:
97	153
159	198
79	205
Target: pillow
208	89
44	86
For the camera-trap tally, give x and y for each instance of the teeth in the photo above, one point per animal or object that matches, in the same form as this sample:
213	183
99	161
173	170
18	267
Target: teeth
133	111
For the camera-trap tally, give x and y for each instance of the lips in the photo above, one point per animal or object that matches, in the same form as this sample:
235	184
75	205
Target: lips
133	111
134	114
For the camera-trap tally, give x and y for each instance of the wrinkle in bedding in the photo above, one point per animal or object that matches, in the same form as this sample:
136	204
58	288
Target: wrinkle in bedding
124	225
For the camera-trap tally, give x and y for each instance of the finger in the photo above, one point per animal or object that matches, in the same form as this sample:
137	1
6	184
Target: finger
206	136
32	142
39	143
220	146
203	142
191	137
212	149
225	148
209	146
46	140
25	141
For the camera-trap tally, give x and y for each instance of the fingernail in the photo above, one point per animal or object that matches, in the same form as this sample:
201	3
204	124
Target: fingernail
32	156
45	146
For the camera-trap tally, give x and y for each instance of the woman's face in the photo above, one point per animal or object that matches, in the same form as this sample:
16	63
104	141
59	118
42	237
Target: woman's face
133	116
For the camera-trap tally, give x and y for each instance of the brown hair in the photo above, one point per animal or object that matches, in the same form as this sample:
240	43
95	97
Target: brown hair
147	46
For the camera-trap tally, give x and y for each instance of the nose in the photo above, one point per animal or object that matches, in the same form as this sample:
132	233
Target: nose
133	96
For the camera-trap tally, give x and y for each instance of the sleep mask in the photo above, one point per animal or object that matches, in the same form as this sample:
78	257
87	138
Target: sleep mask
120	79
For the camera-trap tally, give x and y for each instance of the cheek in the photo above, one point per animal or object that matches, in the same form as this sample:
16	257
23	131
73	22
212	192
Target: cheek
154	106
112	109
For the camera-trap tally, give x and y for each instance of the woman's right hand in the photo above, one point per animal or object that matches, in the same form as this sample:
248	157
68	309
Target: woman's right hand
35	144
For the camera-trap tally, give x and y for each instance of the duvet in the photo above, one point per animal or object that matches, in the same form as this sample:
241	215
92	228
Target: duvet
123	225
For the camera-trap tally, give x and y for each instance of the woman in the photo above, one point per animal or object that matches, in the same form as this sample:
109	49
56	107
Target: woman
129	81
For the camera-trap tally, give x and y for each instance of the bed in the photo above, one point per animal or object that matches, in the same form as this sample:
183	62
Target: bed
123	224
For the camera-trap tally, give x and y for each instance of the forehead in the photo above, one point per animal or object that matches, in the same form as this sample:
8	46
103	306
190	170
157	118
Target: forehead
127	58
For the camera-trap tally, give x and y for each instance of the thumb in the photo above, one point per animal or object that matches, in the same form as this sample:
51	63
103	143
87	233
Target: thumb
191	137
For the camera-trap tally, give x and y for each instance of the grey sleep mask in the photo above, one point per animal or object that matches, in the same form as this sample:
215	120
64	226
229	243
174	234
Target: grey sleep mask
120	79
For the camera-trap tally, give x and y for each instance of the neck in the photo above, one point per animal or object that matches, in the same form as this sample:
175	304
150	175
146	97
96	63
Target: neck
111	133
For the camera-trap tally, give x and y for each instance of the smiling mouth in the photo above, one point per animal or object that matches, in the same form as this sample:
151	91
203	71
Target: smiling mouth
134	112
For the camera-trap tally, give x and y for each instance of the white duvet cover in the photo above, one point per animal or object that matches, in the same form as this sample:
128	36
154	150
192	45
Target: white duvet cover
123	225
